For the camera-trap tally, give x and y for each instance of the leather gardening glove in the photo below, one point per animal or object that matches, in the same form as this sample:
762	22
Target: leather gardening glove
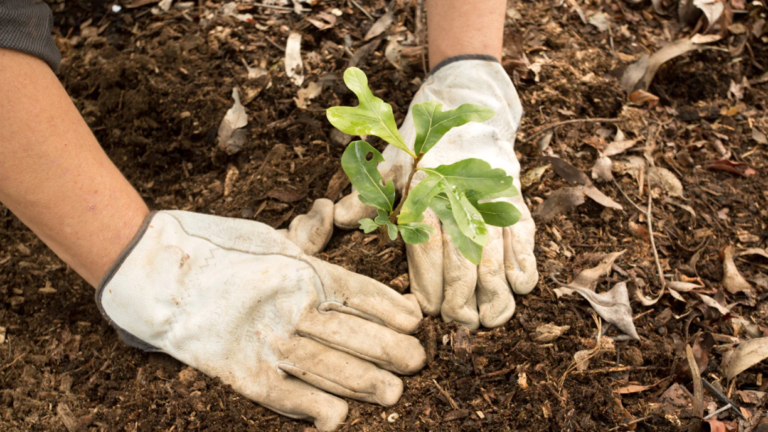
442	280
238	301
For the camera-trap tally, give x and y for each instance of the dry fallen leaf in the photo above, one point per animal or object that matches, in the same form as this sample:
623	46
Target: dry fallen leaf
640	97
709	301
601	198
632	388
712	9
746	355
560	201
602	169
665	179
294	67
304	95
683	286
759	137
231	135
638	76
548	332
601	21
733	281
380	26
532	176
613	306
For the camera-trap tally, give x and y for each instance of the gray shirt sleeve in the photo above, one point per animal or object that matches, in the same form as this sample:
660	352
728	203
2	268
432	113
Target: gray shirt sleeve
25	25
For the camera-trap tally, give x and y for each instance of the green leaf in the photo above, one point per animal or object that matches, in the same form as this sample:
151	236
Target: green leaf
368	225
383	220
499	213
471	250
431	122
475	196
372	116
415	232
365	177
468	219
419	198
473	174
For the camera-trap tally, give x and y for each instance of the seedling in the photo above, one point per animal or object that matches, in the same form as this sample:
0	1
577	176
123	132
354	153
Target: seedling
454	192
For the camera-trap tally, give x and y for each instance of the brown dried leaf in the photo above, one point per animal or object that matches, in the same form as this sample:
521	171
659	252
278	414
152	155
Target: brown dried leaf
548	332
567	171
759	137
380	26
746	355
665	179
602	169
294	67
632	388
640	97
601	198
560	201
733	281
638	76
613	306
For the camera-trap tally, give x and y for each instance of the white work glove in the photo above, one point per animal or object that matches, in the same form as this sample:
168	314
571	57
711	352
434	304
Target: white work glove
442	280
238	301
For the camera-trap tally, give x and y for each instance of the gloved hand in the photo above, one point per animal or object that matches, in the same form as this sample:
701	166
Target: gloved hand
442	280
238	301
312	231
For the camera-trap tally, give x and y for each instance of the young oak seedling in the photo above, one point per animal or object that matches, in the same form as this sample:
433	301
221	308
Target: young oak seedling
453	191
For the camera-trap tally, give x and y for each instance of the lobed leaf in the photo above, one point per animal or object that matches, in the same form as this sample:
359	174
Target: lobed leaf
475	196
431	122
368	225
372	116
471	250
415	232
365	176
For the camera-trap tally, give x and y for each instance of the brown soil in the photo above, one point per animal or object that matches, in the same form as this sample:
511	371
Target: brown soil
154	89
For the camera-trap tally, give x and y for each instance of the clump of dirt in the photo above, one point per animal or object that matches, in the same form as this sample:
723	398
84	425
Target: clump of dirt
154	88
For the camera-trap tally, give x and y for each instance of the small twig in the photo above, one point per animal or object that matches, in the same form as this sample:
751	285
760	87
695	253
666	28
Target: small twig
615	369
275	44
640	209
396	211
282	8
649	217
723	398
596	350
13	362
627	424
565	122
716	413
357	5
453	403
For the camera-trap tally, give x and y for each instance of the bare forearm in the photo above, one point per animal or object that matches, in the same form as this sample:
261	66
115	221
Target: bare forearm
55	177
458	27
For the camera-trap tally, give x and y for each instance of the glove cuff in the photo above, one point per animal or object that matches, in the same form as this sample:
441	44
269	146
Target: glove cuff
462	57
128	338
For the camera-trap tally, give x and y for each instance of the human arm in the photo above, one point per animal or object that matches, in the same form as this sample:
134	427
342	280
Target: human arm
465	46
233	298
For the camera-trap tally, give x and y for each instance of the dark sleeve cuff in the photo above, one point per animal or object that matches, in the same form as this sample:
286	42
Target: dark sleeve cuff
459	58
126	337
26	25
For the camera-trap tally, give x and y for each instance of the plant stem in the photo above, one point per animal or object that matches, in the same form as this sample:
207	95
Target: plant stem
396	212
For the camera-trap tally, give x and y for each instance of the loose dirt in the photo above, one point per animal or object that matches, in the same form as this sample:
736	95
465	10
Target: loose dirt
154	88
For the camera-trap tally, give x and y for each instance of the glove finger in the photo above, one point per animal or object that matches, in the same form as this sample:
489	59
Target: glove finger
369	341
312	231
519	261
460	279
339	373
296	399
494	297
349	210
357	295
425	267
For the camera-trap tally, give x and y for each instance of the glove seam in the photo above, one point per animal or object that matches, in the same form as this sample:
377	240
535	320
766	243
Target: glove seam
307	371
349	351
462	57
125	336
